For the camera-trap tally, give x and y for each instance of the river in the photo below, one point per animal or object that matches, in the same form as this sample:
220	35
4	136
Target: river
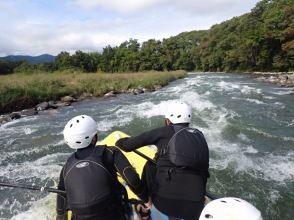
249	128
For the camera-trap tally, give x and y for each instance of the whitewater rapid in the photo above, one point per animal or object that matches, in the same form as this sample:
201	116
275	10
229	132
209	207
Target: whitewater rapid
249	127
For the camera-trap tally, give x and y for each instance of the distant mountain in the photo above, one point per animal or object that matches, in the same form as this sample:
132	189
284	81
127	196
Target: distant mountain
31	59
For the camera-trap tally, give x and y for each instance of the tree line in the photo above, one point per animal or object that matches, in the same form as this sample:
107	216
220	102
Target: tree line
262	40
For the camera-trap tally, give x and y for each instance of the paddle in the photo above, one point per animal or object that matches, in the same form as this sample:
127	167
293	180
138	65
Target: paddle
46	189
208	194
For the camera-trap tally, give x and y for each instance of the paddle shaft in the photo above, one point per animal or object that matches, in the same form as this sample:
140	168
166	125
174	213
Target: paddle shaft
46	189
208	194
145	157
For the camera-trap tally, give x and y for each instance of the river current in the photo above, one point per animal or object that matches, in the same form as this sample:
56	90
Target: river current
249	127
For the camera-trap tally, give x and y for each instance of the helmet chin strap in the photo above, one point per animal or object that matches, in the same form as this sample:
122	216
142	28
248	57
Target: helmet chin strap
94	140
167	122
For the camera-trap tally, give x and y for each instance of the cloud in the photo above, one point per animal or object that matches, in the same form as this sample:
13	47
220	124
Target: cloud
35	27
188	6
118	5
34	39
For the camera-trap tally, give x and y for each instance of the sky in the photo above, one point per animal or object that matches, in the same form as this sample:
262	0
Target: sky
35	27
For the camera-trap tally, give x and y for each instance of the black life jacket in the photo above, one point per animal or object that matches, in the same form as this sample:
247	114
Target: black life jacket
88	183
188	149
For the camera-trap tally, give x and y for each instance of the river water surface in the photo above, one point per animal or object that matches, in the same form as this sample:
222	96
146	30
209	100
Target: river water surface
249	127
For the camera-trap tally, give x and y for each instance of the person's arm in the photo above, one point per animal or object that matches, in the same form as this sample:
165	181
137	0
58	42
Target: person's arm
61	199
147	138
128	173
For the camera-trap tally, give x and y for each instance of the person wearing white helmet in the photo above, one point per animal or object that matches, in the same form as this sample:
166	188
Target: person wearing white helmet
177	183
89	176
230	208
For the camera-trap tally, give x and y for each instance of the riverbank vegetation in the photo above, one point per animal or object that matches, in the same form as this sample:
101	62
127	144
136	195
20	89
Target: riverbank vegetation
19	91
261	40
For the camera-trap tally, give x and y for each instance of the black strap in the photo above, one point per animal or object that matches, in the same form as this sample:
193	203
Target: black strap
176	128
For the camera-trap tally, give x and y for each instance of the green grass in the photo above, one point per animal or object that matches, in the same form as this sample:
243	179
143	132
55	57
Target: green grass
19	91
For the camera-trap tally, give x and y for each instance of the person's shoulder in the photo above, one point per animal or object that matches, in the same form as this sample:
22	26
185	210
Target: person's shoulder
161	129
71	157
109	149
197	131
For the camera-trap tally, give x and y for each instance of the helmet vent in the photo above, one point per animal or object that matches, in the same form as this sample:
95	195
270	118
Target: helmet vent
179	116
87	137
78	142
237	200
171	115
189	116
78	121
83	117
70	125
224	201
208	216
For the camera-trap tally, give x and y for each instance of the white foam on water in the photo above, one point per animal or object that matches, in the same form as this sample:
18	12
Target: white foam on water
263	133
29	151
280	104
207	93
196	101
13	129
290	124
108	123
226	86
269	97
268	135
16	205
236	87
277	167
288	138
255	101
42	209
247	90
243	137
43	168
250	149
15	122
274	196
284	92
28	131
149	109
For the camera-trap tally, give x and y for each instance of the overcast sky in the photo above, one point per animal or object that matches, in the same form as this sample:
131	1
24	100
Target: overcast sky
34	27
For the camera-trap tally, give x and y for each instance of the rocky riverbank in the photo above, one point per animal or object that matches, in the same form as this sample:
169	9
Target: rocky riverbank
67	101
280	78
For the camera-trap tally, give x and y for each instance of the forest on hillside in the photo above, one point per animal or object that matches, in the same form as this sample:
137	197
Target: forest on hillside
262	40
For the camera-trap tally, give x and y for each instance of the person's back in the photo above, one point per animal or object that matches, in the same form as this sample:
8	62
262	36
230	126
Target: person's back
177	191
93	191
89	176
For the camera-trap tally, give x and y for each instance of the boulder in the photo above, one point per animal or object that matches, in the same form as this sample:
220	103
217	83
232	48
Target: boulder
109	94
85	95
29	112
157	87
42	106
68	99
146	90
15	115
62	104
137	91
4	119
52	104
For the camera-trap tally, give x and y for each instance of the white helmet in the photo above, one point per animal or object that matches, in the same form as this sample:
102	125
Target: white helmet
79	131
179	112
228	209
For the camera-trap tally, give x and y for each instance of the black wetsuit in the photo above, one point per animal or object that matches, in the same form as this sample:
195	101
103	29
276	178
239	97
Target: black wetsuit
109	205
177	192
